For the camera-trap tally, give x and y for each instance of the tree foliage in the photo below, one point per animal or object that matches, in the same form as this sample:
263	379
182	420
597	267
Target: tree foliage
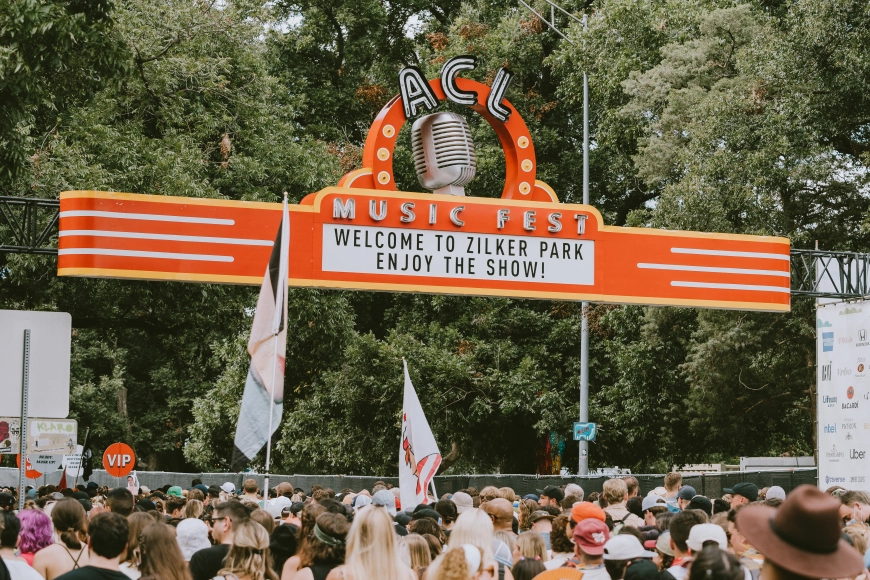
709	115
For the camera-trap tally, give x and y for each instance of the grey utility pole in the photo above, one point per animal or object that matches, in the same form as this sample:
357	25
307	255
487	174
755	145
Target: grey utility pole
583	464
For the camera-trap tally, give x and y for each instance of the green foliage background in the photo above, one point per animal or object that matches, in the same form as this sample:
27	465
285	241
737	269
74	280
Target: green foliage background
706	115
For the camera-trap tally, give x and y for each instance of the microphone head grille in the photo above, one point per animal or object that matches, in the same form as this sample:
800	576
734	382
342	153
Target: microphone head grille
443	152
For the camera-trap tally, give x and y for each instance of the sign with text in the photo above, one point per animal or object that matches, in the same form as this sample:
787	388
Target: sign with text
119	459
585	431
52	436
843	394
412	242
73	463
10	435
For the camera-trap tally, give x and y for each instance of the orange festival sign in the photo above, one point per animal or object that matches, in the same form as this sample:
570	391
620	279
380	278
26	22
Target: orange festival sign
365	235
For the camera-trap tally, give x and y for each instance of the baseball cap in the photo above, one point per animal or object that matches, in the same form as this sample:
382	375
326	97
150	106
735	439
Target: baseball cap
92	485
699	502
652	501
775	492
213	490
591	535
426	513
531	496
554	492
626	547
463	501
402	519
385	498
146	505
687	492
228	487
586	510
663	544
746	489
540	515
706	532
201	488
659	491
174	490
6	500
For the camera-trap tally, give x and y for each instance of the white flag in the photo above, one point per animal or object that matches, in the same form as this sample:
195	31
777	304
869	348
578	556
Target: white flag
419	457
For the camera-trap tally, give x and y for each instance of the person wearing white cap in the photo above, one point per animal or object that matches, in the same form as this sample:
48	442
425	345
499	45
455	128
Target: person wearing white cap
192	536
702	533
463	502
649	514
775	492
620	550
229	487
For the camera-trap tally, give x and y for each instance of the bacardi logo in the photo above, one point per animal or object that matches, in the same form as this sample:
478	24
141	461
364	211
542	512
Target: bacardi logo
852	405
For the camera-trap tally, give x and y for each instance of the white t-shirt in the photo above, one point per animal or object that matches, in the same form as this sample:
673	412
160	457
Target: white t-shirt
19	570
556	560
129	571
679	572
597	573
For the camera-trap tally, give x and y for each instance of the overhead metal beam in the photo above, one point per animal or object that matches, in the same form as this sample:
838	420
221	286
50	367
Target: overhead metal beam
28	225
823	274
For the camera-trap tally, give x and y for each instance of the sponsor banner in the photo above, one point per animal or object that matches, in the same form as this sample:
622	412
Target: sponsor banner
51	436
843	351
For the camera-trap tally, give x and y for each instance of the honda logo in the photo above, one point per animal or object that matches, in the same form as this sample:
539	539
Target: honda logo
862	335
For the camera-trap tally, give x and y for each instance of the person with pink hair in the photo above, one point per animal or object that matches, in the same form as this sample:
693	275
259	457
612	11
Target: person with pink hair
35	533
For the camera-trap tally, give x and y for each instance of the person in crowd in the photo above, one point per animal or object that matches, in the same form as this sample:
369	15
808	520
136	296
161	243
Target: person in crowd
680	527
551	495
309	515
463	563
651	506
175	509
748	556
425	525
18	567
326	549
527	507
448	511
542	523
501	512
619	553
263	518
488	493
590	536
35	533
160	556
530	545
414	553
684	496
227	516
643	570
742	493
107	540
858	535
855	507
250	490
635	505
664	557
192	536
527	569
673	483
283	545
463	501
713	563
561	546
70	552
386	499
193	509
248	555
371	549
507	493
120	501
800	539
435	547
572	489
615	493
632	485
131	559
584	511
699	502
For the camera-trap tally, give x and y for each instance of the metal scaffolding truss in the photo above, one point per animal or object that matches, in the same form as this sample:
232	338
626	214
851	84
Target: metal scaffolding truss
822	274
28	225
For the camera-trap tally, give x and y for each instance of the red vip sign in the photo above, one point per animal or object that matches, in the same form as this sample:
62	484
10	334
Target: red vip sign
365	235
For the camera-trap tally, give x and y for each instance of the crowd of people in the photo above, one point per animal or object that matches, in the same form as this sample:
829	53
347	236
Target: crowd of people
217	532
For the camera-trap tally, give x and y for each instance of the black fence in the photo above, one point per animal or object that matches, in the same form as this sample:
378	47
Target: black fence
710	484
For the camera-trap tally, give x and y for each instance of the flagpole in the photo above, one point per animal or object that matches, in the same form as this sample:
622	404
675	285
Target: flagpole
276	328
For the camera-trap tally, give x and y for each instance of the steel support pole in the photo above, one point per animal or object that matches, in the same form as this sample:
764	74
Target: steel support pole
22	447
583	467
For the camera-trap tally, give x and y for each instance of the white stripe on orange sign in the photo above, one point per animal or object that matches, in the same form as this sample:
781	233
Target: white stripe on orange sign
147	217
715	286
166	237
140	254
713	269
730	254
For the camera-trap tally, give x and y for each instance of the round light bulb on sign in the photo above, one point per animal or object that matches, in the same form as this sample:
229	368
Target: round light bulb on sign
119	459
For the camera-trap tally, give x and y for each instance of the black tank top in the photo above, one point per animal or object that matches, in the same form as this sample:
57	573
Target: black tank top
321	571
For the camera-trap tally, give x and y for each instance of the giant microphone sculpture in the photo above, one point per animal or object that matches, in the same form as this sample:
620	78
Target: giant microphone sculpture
443	153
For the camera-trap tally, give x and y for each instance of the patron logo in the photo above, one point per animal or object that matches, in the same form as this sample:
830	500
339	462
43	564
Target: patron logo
844	372
826	372
850	392
829	479
827	341
848	425
834	454
855	454
831	428
829	401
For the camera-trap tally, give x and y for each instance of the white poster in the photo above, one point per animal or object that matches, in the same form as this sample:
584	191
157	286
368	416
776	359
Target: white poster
843	355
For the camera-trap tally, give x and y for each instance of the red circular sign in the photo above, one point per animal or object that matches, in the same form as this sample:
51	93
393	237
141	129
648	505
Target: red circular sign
119	459
29	472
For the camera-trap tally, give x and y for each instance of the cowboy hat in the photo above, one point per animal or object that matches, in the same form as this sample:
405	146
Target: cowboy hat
802	535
